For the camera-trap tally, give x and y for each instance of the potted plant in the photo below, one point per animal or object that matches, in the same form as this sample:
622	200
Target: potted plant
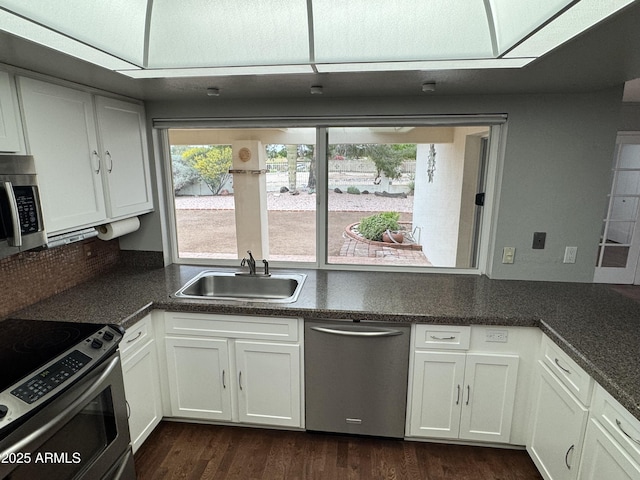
375	227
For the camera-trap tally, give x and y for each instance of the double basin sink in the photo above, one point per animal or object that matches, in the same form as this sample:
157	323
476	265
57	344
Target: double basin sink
214	285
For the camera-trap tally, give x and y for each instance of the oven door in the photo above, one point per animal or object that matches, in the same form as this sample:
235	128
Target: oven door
82	434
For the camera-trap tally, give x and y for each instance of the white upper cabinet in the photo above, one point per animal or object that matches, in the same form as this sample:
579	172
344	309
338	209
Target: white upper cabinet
61	135
9	131
91	155
125	156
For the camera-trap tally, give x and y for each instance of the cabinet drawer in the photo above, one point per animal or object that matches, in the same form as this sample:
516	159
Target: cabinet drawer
232	326
567	370
136	336
617	421
443	337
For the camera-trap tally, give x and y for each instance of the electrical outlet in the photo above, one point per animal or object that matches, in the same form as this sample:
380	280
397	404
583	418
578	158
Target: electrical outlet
497	336
508	254
570	254
539	238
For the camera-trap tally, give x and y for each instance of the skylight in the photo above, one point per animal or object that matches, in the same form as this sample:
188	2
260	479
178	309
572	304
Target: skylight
165	38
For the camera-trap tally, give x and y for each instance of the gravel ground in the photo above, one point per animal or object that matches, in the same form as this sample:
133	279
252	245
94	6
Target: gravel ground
338	202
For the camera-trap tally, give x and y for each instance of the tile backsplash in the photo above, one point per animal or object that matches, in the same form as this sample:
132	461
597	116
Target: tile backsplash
29	277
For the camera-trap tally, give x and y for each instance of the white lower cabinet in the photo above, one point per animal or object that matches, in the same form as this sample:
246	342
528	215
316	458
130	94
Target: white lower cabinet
141	381
236	378
612	443
199	378
268	383
557	428
467	396
604	459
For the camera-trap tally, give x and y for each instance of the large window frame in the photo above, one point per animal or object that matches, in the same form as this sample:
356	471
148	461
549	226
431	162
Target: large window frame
486	238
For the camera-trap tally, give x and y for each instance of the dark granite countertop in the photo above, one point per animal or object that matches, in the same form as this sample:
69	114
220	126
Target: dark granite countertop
597	327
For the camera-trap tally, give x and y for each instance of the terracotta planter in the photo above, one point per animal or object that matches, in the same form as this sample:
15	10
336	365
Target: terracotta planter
392	237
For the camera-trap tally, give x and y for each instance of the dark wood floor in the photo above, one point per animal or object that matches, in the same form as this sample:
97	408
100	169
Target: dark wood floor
189	451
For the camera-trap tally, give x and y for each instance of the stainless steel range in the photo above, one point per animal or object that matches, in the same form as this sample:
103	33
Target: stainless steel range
62	406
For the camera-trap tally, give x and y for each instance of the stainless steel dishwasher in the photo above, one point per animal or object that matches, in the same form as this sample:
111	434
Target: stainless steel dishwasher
356	377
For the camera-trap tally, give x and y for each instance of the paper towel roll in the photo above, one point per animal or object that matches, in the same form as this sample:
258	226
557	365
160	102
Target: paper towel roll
117	229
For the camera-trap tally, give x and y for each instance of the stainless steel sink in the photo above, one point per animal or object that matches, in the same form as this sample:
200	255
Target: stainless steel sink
282	288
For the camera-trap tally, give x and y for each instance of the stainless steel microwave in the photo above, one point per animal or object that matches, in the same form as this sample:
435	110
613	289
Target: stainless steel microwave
21	222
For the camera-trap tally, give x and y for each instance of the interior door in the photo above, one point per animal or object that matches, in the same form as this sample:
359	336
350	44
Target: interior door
619	247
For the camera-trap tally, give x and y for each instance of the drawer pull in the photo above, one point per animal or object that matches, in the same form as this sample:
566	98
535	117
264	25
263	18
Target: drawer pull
561	367
223	384
442	338
619	424
458	397
566	456
135	338
468	394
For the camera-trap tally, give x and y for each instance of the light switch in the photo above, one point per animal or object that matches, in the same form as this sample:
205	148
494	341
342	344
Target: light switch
508	254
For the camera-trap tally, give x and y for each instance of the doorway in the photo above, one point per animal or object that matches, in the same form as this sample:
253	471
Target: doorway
619	248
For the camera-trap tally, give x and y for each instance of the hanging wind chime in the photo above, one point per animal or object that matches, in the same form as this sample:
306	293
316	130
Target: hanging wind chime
431	162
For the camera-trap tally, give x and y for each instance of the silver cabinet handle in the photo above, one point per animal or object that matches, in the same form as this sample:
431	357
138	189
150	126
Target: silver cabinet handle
619	424
240	380
107	155
561	367
468	394
128	409
442	338
223	384
356	333
135	338
15	215
566	456
96	156
458	397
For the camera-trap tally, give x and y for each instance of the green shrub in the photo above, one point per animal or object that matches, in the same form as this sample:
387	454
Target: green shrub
353	190
374	226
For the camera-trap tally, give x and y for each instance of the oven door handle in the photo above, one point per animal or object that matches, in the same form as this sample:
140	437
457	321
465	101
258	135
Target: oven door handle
67	414
15	215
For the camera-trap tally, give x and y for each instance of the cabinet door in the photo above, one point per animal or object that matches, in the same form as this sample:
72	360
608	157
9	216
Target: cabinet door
61	135
557	427
198	374
268	379
142	390
9	133
126	160
437	394
489	392
603	458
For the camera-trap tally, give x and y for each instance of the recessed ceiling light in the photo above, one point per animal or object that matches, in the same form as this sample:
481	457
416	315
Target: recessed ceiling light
429	87
316	90
213	92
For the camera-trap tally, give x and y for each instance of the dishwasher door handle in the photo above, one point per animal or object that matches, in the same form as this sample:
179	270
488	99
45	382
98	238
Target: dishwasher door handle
358	333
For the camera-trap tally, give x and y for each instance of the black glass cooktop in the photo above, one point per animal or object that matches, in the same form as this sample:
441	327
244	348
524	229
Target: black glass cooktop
26	345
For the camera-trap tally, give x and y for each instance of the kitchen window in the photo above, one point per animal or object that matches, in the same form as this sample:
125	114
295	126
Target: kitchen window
379	196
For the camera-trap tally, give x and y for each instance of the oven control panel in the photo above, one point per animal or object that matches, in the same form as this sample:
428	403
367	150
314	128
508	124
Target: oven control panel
52	377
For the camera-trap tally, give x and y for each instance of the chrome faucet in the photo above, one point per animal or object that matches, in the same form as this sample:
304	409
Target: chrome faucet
251	263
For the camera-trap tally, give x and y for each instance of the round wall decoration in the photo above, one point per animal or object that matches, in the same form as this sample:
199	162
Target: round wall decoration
244	154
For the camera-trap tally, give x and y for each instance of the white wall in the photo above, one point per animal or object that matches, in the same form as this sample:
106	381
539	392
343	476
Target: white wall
436	205
555	177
